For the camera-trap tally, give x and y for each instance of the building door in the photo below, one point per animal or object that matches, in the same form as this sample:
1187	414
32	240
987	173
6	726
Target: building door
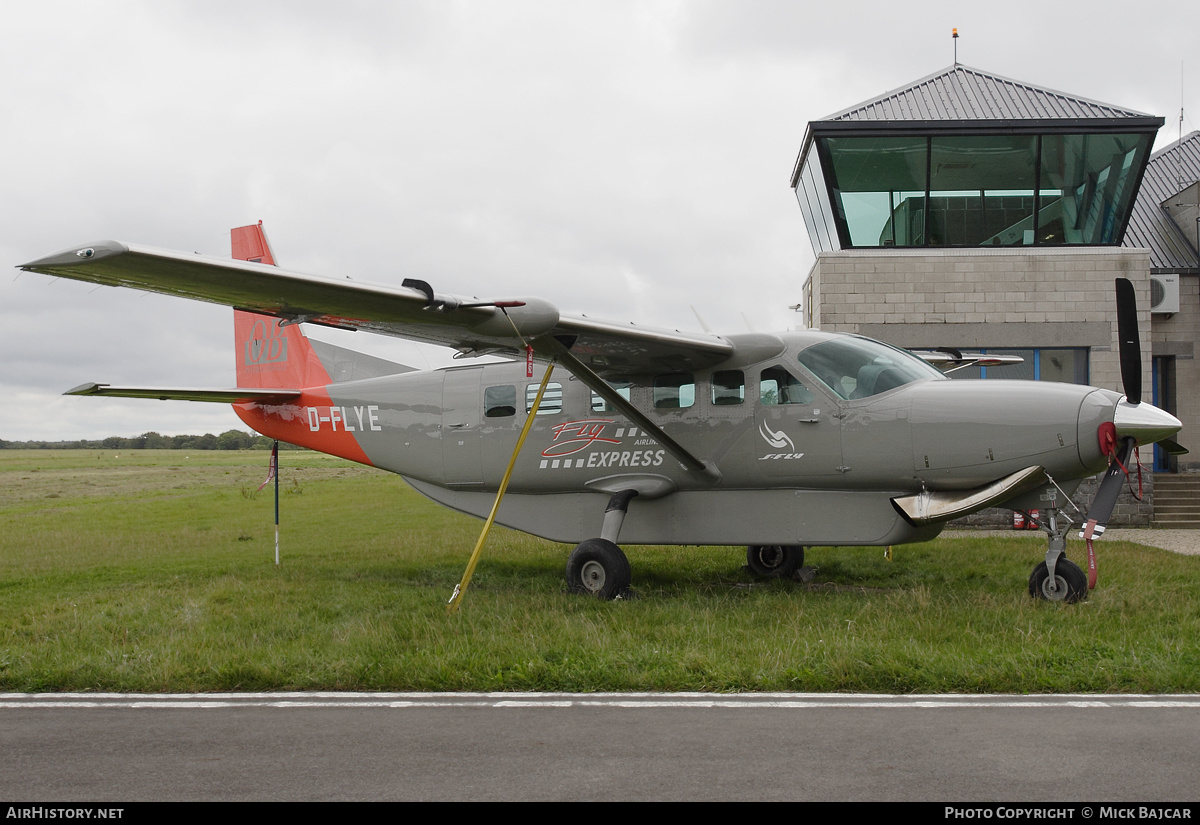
1163	392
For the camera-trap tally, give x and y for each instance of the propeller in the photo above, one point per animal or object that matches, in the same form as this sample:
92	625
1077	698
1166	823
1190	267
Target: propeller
1119	451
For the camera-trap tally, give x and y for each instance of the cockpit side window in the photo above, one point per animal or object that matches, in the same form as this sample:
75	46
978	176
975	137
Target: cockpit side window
858	367
778	386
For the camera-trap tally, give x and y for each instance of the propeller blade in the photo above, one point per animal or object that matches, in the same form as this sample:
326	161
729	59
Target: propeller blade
1172	447
1127	338
1110	487
1103	504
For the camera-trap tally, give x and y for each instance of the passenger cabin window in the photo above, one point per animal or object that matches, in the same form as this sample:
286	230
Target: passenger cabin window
778	386
500	401
552	400
621	385
728	387
674	391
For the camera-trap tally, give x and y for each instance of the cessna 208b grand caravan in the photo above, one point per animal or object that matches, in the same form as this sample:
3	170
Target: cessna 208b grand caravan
768	441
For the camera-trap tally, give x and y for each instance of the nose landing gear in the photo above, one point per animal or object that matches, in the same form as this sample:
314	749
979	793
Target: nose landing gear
1057	579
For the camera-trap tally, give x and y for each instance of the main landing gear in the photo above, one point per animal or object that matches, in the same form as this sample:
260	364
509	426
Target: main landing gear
598	567
1057	579
774	561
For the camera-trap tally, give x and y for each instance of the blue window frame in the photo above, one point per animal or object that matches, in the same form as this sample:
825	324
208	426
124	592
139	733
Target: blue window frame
1066	364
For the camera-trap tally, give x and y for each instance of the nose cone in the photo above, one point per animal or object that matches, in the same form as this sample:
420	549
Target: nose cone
1144	422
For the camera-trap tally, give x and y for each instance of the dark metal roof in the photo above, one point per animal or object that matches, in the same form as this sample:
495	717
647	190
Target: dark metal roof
963	101
962	93
1170	171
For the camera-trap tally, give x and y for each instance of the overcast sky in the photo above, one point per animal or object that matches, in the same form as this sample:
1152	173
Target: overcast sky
630	160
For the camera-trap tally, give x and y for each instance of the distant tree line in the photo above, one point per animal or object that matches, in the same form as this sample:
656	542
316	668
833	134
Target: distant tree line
228	440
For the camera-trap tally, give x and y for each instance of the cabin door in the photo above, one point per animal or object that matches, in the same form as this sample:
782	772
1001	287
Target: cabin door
799	438
461	405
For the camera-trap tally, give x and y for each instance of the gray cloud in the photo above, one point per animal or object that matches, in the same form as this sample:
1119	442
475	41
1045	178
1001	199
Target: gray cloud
626	159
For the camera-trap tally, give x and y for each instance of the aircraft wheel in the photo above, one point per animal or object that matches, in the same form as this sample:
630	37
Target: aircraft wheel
775	561
1071	582
598	568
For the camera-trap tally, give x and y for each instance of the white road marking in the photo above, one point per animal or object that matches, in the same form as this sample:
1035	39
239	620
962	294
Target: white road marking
782	701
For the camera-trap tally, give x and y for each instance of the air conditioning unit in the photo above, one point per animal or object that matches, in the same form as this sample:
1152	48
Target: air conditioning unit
1164	293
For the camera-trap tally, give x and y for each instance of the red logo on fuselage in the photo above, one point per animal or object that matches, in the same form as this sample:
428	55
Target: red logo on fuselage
573	436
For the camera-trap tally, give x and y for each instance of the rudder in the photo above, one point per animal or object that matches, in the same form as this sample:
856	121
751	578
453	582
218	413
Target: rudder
268	353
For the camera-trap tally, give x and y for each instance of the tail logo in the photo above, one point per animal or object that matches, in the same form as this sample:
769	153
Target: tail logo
266	346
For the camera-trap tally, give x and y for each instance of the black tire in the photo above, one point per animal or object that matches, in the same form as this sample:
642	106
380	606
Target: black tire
597	567
775	561
1071	581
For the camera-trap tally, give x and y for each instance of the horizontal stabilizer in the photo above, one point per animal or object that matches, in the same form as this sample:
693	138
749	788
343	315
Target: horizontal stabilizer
949	360
928	507
230	396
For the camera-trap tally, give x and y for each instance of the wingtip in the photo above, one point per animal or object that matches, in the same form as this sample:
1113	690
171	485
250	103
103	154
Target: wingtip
76	255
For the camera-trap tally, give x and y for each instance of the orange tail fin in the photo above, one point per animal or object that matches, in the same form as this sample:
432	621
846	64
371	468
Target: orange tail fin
271	355
268	353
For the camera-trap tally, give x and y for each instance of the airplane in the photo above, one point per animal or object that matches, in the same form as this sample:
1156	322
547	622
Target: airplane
774	442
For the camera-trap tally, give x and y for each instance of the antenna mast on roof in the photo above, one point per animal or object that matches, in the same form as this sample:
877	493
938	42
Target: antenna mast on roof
954	34
1179	155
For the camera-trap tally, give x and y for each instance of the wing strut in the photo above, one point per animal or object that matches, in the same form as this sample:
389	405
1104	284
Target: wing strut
556	349
460	589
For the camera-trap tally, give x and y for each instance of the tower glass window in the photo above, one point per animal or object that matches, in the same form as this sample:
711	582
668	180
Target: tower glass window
971	190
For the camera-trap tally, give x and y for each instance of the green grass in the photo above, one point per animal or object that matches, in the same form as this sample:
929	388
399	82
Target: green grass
154	572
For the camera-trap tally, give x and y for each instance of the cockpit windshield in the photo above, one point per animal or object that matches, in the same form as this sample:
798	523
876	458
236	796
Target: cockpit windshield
859	367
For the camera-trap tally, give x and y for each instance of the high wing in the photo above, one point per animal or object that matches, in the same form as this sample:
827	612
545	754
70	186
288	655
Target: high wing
413	311
591	349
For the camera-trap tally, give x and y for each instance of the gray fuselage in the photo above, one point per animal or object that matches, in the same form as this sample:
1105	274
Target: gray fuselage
811	435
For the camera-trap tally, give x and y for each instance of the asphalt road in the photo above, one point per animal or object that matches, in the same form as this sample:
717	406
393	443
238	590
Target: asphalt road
1185	542
83	747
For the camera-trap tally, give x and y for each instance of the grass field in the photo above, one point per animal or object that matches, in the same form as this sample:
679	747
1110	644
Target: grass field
153	571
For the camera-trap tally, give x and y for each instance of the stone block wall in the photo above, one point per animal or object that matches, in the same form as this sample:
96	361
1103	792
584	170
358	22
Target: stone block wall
1129	512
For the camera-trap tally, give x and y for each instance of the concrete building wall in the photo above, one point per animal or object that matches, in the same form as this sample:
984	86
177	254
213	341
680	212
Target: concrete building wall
986	298
982	298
